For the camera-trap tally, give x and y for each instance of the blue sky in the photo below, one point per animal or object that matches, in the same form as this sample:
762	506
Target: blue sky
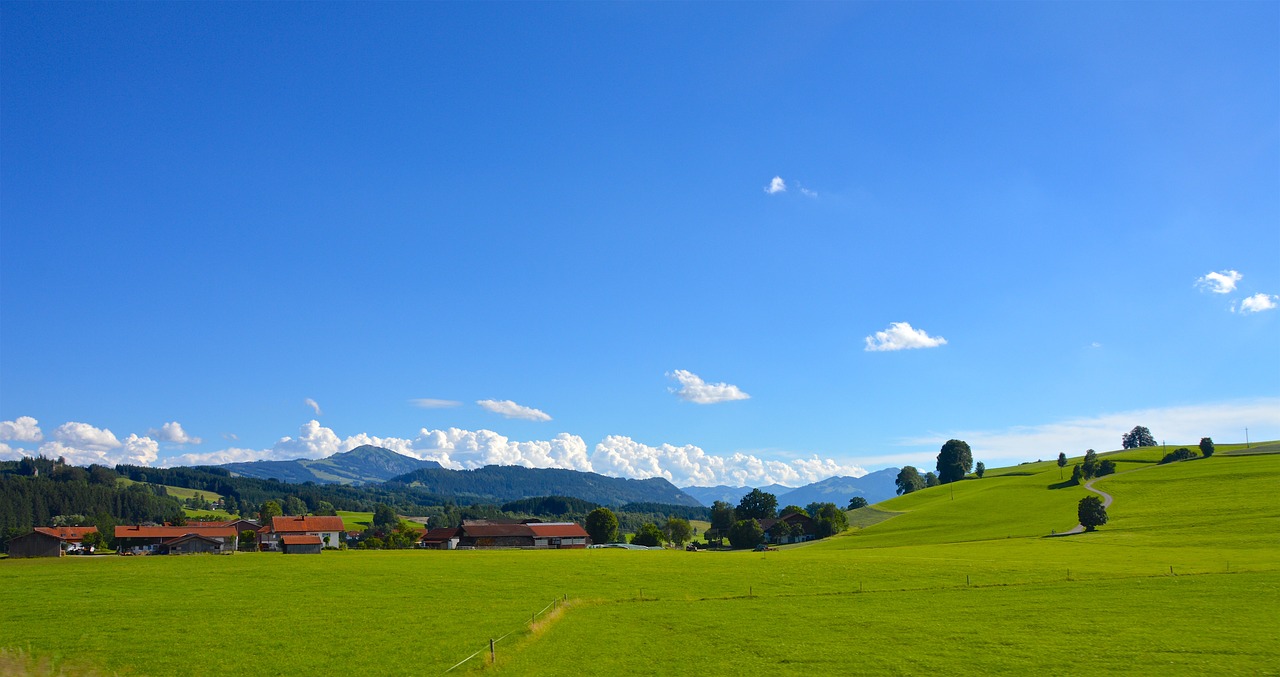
643	239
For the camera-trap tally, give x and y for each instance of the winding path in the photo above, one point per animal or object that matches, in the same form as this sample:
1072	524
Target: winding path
1106	503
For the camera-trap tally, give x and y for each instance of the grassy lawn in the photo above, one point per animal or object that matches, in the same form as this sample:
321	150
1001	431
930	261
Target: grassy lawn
355	521
180	493
970	585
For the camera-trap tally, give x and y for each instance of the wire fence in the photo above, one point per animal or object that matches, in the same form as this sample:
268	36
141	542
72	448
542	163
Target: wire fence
533	619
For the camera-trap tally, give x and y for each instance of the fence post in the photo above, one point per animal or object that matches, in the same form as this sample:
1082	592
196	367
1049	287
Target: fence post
493	657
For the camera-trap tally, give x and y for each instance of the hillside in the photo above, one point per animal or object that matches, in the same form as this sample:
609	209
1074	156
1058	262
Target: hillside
362	465
875	487
500	484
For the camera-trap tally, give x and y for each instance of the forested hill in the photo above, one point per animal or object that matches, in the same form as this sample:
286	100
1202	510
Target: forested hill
362	465
510	483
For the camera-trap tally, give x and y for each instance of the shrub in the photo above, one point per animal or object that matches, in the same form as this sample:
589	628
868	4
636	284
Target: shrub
1206	446
1107	467
1181	454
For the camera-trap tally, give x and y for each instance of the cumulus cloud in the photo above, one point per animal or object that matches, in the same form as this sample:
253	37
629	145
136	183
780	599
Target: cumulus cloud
314	405
85	436
1182	425
229	455
313	441
21	429
777	185
901	336
8	453
430	403
694	389
1258	303
172	432
510	409
84	444
1219	283
689	465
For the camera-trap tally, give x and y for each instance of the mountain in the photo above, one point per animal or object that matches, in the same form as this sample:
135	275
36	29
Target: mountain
361	465
503	483
874	487
732	495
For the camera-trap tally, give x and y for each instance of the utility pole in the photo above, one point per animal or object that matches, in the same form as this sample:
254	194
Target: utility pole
1246	438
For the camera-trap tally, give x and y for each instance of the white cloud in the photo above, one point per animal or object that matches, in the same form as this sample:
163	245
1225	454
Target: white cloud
313	441
229	455
808	193
510	409
1182	425
901	336
1219	283
777	185
172	432
314	405
1095	345
459	449
230	436
139	450
85	436
689	465
430	403
21	429
1258	303
8	453
694	389
83	444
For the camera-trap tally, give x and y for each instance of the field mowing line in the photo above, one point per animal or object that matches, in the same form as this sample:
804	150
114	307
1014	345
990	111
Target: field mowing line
534	628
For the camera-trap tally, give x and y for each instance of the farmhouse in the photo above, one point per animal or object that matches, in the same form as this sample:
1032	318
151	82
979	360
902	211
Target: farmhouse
48	541
140	540
440	539
799	528
529	534
328	529
293	544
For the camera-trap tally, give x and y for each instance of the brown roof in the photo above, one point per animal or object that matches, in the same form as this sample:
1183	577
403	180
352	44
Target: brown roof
440	534
125	531
72	534
300	539
285	525
191	537
495	530
558	530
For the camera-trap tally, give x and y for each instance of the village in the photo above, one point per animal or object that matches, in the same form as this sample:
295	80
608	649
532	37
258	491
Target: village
312	534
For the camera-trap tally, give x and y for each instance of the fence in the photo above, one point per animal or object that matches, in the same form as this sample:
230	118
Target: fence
493	652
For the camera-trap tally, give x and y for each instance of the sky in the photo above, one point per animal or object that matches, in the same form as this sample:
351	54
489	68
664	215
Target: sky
720	243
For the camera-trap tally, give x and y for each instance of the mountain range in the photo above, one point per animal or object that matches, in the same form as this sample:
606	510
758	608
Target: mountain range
874	487
362	465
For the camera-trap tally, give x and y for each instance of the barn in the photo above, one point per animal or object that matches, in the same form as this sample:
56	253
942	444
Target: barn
192	544
140	540
48	541
294	544
556	535
440	539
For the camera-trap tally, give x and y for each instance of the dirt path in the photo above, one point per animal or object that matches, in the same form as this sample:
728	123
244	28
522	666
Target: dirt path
1106	498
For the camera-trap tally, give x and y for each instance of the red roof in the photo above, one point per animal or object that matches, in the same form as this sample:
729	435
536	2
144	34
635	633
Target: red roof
495	530
285	525
296	539
557	530
126	531
440	534
72	534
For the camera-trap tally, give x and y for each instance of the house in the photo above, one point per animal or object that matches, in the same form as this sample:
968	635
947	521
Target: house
48	541
327	528
440	539
799	528
192	544
140	540
294	544
558	535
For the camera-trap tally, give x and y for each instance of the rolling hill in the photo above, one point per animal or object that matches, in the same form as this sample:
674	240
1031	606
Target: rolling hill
874	487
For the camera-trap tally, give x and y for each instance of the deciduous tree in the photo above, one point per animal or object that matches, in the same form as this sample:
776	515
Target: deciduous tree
793	509
268	510
1091	512
757	505
1138	437
722	517
1206	446
909	480
1090	466
955	460
648	534
930	480
830	520
857	502
602	525
746	534
678	530
980	469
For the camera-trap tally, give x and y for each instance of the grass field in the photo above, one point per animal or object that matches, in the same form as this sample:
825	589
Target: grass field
970	585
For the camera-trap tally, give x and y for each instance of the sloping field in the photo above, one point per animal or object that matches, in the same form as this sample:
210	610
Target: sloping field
970	585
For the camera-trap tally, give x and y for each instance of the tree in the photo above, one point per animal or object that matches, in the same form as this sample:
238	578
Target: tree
1092	513
248	539
268	510
857	502
1138	437
722	517
746	534
931	480
602	525
781	531
1062	463
831	520
648	534
757	505
678	530
954	461
1206	446
294	506
1107	467
793	509
1090	467
325	508
980	469
384	518
909	480
1181	454
1077	475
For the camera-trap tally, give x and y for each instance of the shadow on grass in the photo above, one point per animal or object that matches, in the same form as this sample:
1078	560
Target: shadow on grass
1064	484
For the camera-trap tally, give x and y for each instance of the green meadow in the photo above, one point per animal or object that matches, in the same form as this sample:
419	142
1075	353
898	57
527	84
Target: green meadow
958	579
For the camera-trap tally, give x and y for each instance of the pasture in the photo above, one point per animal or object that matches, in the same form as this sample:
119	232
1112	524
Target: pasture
963	579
